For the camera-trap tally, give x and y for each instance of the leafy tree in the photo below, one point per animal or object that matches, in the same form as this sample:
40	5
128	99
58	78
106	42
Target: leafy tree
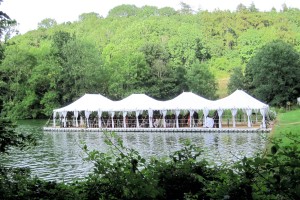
241	8
5	22
159	79
284	7
60	39
80	67
123	11
201	81
236	80
167	11
47	23
15	73
7	29
90	15
9	138
185	8
147	11
252	8
273	75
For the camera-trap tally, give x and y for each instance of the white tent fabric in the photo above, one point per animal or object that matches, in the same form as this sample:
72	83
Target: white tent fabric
76	117
240	100
90	102
137	102
233	113
187	101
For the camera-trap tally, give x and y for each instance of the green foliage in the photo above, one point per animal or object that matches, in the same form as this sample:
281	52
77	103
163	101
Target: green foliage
47	23
138	50
17	184
7	28
9	138
201	81
287	122
121	173
236	81
274	175
273	74
123	11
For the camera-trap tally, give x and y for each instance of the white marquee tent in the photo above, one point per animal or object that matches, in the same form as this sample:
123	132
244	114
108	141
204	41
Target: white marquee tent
240	100
187	101
87	103
137	103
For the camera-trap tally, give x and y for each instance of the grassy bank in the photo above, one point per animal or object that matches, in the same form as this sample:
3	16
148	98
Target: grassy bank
287	122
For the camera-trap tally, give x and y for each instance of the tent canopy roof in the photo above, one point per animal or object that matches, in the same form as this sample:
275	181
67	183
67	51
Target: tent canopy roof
239	100
185	101
137	102
90	102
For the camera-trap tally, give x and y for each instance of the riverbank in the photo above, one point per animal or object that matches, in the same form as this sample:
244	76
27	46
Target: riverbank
288	122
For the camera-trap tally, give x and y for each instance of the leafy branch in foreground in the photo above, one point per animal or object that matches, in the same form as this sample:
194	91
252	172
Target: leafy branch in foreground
274	175
118	174
9	137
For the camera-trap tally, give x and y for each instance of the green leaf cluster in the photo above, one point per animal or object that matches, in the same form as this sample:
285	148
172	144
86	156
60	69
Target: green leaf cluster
272	75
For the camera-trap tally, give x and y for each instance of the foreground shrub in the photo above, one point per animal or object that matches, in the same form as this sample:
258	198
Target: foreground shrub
121	173
18	184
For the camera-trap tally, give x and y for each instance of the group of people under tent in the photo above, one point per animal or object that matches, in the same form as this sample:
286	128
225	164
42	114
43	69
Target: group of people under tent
142	121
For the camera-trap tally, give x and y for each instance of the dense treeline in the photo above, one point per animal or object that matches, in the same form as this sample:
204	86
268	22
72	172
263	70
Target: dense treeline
160	52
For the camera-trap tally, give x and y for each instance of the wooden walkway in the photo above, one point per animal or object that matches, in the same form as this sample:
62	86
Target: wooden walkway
198	129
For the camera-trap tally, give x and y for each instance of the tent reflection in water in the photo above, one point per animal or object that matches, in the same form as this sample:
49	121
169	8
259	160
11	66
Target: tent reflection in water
140	104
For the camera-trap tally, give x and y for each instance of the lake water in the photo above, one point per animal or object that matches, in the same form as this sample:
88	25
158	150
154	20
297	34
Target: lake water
59	155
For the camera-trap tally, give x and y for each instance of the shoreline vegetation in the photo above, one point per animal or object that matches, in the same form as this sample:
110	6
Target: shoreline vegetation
124	174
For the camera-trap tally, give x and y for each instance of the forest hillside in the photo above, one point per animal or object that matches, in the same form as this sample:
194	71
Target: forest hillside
160	52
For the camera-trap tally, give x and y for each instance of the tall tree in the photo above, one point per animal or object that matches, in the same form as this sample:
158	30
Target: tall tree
185	8
253	8
167	11
157	76
123	11
47	23
201	81
7	29
241	8
273	74
8	136
236	80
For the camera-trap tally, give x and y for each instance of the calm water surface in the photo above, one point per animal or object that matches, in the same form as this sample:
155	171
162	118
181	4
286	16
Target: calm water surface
59	155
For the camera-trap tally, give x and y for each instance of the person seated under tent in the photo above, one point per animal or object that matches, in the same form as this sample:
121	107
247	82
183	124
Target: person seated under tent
216	119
